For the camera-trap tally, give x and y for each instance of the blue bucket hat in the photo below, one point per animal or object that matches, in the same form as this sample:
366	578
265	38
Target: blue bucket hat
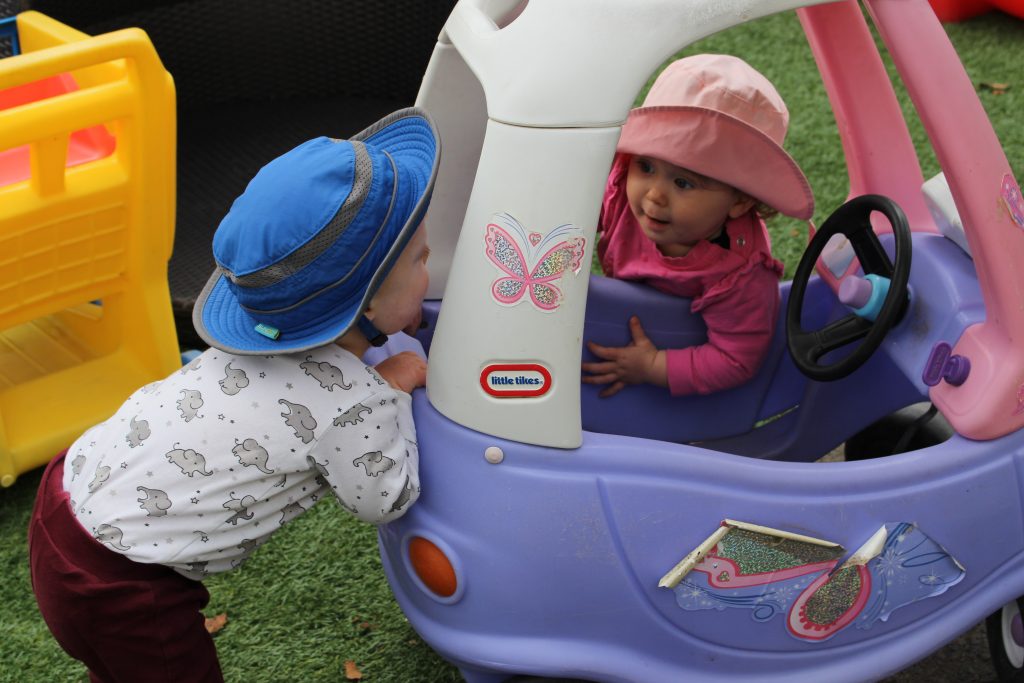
304	248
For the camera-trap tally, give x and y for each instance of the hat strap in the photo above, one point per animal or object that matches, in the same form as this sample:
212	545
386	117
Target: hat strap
375	336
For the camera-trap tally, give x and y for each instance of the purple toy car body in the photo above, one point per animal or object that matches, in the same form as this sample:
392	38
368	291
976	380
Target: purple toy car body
651	539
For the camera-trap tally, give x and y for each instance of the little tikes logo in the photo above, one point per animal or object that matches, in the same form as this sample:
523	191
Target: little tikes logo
515	380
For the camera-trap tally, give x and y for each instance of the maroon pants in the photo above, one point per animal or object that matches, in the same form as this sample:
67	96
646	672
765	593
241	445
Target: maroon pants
125	620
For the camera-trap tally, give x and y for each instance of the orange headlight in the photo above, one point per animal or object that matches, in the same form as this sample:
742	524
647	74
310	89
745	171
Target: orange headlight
432	566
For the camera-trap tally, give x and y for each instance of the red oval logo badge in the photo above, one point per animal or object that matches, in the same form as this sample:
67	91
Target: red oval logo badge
515	380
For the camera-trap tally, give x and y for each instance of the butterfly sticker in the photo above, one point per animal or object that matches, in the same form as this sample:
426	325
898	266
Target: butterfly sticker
531	261
1012	199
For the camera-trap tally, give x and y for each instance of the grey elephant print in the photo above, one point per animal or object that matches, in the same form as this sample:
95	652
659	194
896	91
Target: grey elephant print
154	501
188	460
403	497
345	504
374	462
352	415
106	533
150	388
290	512
193	366
325	373
321	480
99	478
77	464
234	380
138	432
300	419
320	468
189	404
251	454
240	506
375	375
248	546
197	570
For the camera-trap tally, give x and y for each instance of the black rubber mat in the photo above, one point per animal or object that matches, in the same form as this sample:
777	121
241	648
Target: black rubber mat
219	151
227	50
11	7
8	8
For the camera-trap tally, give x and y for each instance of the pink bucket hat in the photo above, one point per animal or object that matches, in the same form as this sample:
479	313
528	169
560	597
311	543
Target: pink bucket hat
717	116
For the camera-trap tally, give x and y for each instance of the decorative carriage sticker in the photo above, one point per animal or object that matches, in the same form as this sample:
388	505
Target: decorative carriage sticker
515	380
531	262
1010	192
768	572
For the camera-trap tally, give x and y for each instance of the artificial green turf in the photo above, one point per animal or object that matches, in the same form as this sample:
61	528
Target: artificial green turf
303	604
990	47
316	595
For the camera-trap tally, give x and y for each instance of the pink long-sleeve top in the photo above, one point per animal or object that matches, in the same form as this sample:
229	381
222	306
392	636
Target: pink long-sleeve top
734	290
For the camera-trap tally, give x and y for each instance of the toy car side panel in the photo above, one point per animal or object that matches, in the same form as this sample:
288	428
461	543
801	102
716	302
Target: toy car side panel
559	552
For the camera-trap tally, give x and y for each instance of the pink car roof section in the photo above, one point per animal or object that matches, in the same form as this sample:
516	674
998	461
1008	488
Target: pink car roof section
989	403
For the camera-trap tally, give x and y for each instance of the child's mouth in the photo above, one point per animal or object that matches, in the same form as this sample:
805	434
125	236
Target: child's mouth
655	223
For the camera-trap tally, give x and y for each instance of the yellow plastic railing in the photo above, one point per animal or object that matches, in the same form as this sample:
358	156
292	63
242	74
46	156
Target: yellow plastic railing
85	312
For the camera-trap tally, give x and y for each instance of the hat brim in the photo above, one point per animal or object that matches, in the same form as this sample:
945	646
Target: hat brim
721	147
410	138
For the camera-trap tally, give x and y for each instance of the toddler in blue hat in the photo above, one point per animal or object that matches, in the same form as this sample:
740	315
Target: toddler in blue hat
321	256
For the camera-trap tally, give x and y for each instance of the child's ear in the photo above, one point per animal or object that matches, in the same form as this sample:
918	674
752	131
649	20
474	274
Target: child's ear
743	204
370	311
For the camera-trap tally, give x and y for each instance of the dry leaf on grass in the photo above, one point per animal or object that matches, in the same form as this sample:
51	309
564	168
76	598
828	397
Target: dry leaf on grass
352	671
995	88
363	625
214	624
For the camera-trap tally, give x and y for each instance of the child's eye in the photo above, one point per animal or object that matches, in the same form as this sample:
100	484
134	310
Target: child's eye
644	165
426	254
683	184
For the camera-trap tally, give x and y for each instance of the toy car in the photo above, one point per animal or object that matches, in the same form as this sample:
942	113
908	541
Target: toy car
648	538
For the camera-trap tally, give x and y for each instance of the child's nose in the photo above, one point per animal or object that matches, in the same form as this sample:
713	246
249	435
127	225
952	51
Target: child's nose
656	193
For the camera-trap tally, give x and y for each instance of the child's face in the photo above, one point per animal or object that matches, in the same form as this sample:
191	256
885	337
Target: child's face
398	304
677	208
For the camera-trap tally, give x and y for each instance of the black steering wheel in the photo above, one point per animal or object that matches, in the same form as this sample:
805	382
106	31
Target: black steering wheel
852	219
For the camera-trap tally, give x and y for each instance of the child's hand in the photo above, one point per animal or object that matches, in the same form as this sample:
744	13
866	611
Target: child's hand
638	363
404	371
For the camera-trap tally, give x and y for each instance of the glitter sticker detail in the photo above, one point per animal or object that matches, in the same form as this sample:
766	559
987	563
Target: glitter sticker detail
511	249
1010	192
768	576
1020	400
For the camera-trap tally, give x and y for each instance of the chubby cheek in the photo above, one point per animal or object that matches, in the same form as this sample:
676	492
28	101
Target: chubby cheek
415	315
414	325
634	195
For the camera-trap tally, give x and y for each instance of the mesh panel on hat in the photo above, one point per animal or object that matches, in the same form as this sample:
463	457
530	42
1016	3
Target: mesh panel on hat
326	237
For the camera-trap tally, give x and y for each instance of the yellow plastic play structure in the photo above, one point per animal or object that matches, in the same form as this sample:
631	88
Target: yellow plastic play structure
87	192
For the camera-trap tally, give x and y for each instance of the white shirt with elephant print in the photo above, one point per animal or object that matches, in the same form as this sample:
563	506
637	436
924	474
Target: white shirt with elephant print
197	470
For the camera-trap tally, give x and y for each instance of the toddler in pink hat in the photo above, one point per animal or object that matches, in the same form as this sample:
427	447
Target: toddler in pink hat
697	168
